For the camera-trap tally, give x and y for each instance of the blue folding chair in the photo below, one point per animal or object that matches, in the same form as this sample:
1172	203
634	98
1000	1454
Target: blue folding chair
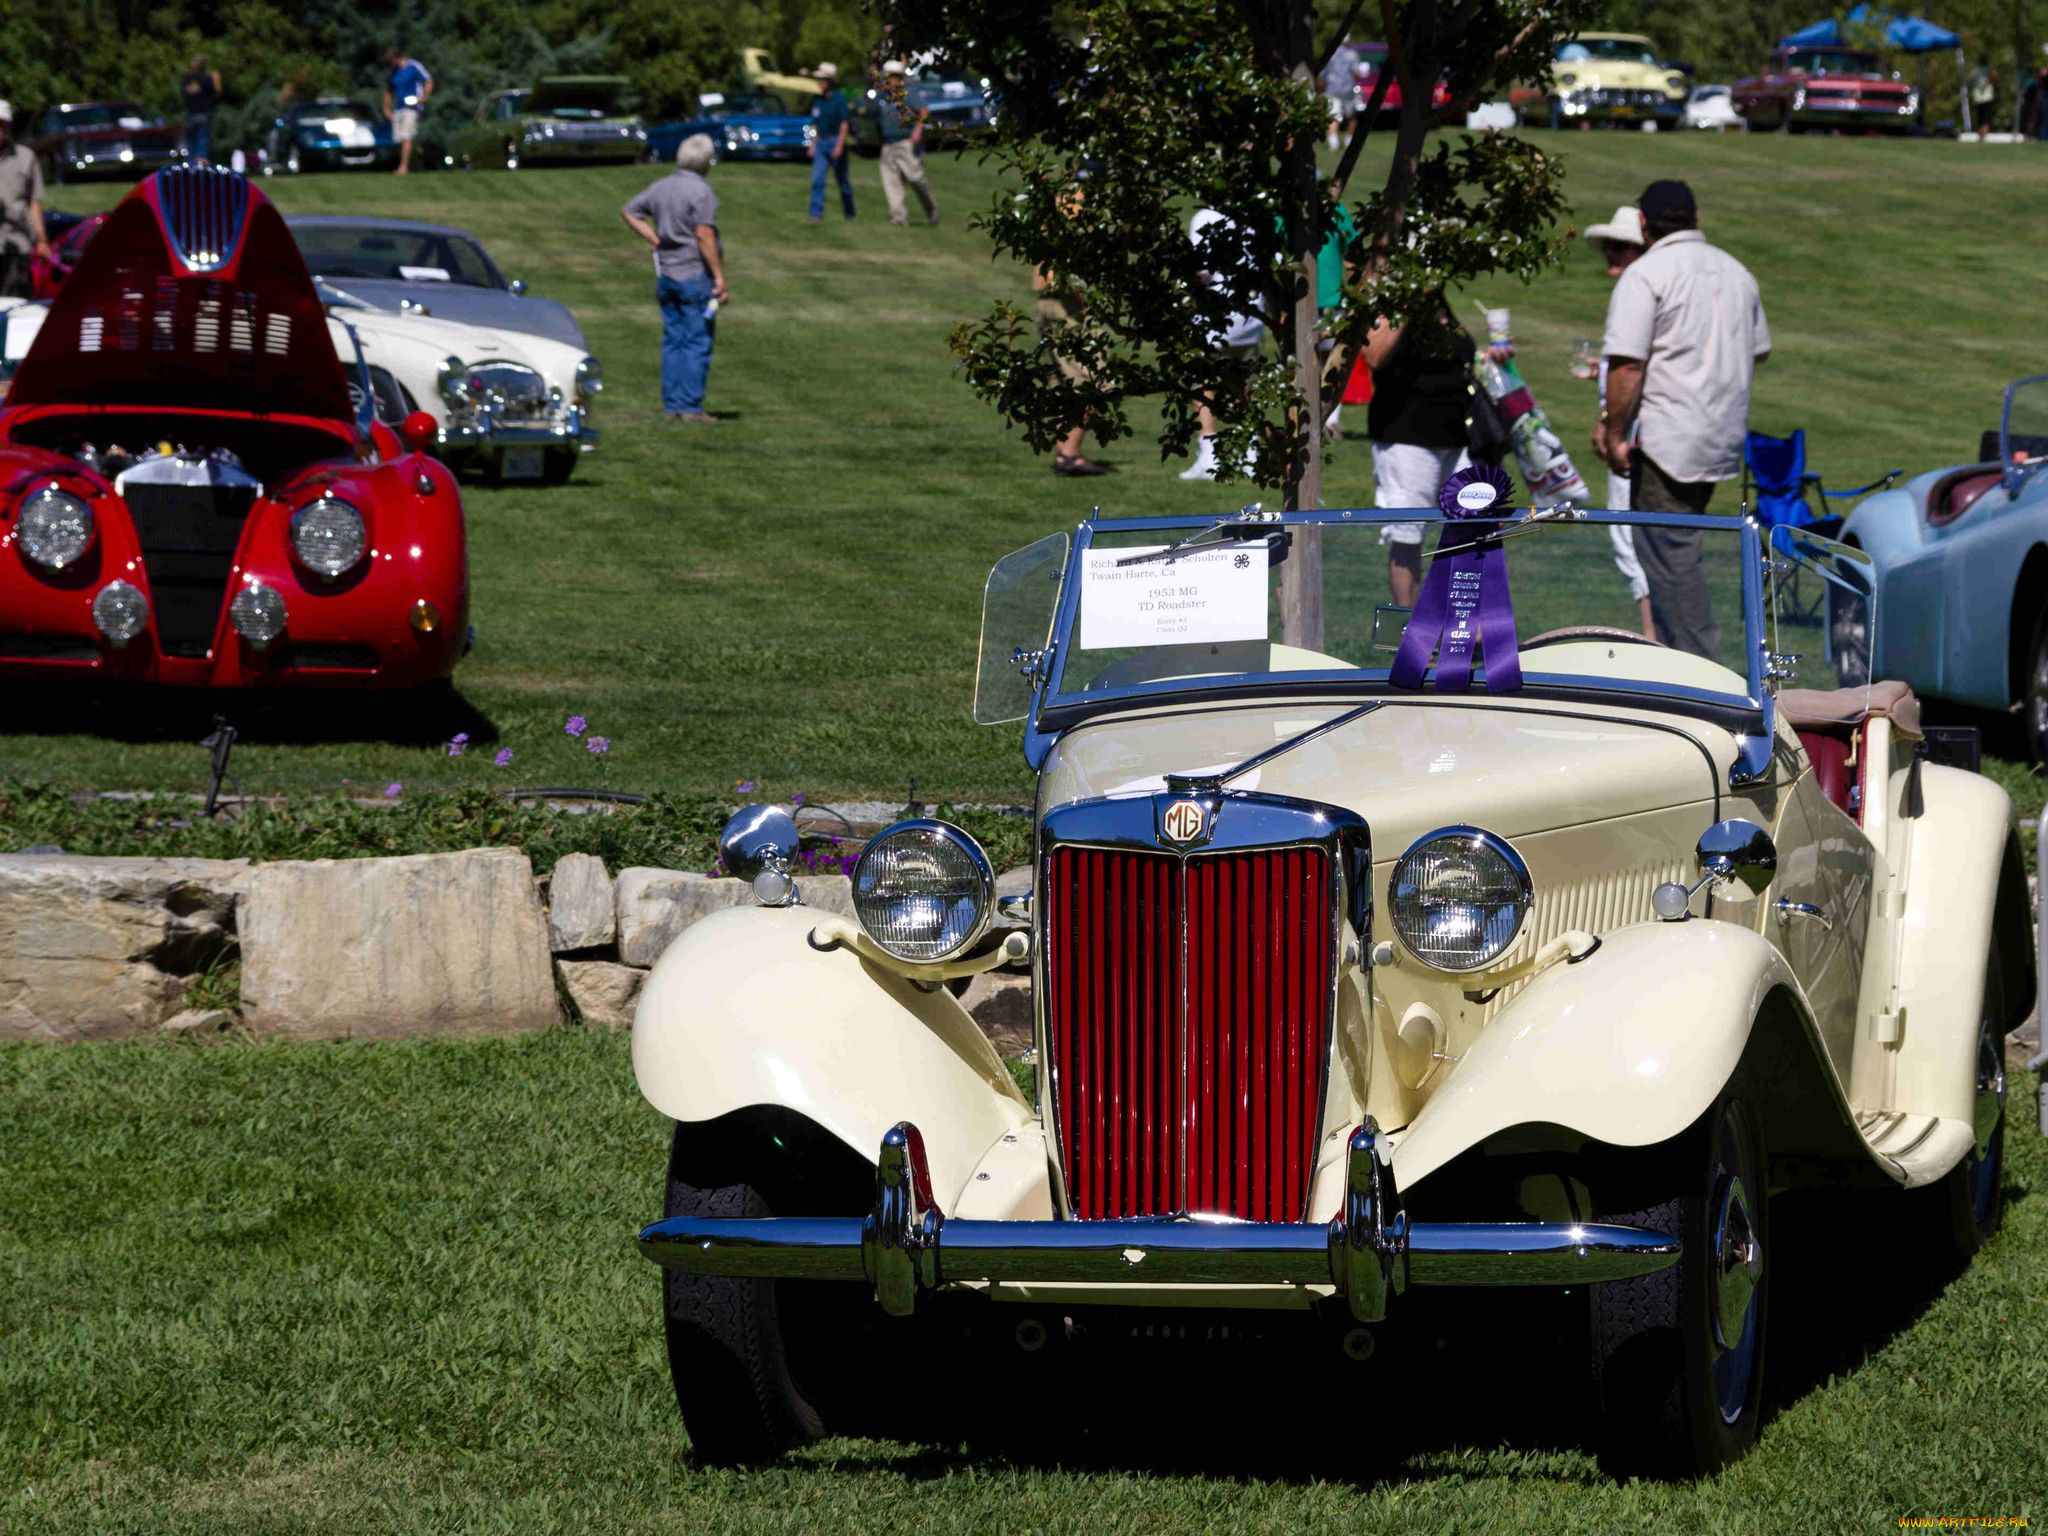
1775	491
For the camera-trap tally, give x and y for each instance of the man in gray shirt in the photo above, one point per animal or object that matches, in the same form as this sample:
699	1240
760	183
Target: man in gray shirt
678	218
1685	331
21	210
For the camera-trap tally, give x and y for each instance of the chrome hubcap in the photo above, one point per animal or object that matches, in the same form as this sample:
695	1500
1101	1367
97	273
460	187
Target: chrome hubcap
1738	1263
1989	1109
2037	703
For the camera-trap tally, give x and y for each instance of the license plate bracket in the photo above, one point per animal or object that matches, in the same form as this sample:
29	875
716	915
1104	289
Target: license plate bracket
520	464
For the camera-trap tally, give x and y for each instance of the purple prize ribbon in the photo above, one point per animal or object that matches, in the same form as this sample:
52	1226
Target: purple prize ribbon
1464	601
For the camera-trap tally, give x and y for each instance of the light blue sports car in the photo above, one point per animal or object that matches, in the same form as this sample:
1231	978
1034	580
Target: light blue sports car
1961	560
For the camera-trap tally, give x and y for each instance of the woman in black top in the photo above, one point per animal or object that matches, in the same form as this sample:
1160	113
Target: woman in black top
1419	423
201	88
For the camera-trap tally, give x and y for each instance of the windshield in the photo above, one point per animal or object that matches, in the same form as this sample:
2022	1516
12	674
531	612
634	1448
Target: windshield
108	114
1836	63
354	110
2023	434
759	104
1630	50
401	255
1559	597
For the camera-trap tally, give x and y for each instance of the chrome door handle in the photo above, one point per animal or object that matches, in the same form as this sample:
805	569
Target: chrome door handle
1788	909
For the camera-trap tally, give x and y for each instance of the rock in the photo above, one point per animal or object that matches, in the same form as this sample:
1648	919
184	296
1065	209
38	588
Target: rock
654	905
1001	1005
828	893
603	991
198	1021
98	947
437	943
1014	882
580	904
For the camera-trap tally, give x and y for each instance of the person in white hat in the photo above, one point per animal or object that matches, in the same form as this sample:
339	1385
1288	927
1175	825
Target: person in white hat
1619	242
828	146
21	210
900	122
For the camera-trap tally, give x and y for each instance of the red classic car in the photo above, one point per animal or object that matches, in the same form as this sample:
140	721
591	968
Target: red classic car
79	139
187	494
47	273
1372	58
1827	87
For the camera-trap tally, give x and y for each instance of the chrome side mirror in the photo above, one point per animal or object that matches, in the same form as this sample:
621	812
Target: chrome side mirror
757	845
518	287
1736	857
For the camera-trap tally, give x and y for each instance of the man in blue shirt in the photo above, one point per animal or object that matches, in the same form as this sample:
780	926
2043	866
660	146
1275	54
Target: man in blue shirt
405	97
828	149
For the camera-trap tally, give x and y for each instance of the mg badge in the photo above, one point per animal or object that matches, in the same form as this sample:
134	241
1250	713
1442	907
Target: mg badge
1184	821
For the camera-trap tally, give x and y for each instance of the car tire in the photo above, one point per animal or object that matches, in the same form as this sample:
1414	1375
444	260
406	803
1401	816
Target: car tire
2034	701
1678	1355
728	1353
1969	1204
558	464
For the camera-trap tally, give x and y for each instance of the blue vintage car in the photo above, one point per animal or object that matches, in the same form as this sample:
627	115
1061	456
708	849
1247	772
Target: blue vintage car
329	133
403	265
1962	570
744	125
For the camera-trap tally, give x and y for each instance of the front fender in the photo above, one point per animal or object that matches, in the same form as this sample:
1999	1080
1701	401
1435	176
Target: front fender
742	1011
1631	1046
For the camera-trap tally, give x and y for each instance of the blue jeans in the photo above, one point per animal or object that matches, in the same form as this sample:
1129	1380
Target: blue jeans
822	161
199	137
686	337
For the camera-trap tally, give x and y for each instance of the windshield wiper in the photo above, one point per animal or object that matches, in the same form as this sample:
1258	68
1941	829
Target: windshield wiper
1563	512
1245	521
1198	783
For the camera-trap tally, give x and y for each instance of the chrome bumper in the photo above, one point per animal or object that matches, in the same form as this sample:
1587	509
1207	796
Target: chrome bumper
906	1246
486	432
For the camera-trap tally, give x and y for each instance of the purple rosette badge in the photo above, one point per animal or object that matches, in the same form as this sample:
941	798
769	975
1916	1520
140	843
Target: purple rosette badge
1464	607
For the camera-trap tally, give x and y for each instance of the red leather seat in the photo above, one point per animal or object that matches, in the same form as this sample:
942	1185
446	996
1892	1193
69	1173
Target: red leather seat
1954	496
1829	755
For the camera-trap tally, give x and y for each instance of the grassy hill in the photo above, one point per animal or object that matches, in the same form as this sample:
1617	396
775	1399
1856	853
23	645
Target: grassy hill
792	596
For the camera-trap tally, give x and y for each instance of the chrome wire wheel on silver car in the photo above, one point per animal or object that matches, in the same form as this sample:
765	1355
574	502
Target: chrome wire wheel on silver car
2035	703
1678	1355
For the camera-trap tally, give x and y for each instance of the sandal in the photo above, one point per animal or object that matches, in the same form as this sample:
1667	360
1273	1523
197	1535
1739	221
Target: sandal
1074	465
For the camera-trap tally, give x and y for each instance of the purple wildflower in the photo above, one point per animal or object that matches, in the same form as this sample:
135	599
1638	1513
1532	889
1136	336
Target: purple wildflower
393	790
577	725
458	744
599	745
745	786
797	798
504	757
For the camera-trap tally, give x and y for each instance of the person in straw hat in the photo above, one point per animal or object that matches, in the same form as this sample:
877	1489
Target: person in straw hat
828	149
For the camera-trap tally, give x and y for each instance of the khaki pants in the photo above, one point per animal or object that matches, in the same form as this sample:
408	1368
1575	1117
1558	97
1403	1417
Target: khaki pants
1672	562
901	167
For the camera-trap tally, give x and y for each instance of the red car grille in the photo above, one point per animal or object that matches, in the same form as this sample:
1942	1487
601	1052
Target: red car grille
1188	1028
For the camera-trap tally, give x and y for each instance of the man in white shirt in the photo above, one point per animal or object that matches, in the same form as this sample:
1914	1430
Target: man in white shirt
1685	331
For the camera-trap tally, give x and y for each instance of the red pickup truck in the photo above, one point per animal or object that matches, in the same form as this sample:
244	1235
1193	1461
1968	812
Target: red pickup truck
1827	87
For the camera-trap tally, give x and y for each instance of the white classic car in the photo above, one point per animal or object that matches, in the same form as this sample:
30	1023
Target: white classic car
510	403
1373	950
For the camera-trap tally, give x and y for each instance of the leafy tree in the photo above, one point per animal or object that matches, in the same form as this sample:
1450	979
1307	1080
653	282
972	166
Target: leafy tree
1122	117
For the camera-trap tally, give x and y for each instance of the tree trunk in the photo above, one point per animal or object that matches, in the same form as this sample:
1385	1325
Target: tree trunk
1301	578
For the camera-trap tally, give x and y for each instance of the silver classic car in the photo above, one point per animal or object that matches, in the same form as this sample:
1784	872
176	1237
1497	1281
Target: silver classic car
1374	951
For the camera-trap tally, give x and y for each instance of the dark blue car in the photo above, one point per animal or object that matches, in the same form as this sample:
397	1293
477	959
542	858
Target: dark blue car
330	133
745	125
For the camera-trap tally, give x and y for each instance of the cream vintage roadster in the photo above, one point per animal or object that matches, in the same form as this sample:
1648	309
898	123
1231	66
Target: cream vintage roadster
1486	945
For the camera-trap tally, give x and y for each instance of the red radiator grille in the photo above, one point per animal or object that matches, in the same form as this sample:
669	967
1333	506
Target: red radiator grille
1188	1016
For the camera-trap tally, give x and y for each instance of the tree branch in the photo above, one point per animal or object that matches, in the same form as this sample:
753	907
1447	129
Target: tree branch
1360	127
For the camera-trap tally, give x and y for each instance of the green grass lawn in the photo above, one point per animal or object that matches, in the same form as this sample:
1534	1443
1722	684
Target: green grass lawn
389	1287
792	596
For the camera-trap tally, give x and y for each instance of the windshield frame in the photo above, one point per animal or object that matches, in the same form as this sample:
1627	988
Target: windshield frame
1751	716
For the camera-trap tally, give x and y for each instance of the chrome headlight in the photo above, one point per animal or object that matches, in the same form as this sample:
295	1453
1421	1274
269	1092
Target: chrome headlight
1458	898
257	614
924	890
1799	98
120	612
1567	78
453	381
54	528
590	377
328	536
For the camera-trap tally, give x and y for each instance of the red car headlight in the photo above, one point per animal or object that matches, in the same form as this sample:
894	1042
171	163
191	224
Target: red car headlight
329	536
54	529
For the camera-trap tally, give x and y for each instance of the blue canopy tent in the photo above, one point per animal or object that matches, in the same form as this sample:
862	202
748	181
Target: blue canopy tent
1905	34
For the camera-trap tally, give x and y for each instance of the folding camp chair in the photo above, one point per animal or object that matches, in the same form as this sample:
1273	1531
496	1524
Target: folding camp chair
1775	486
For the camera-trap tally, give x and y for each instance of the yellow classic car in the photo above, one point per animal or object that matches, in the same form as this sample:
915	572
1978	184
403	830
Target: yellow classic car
1378	953
758	71
1613	77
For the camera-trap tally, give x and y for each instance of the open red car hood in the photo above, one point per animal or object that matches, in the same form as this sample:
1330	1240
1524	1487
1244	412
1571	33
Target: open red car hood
192	294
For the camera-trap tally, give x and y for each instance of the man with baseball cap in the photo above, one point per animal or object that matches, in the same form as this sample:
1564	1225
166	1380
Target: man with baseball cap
828	147
1685	331
21	210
